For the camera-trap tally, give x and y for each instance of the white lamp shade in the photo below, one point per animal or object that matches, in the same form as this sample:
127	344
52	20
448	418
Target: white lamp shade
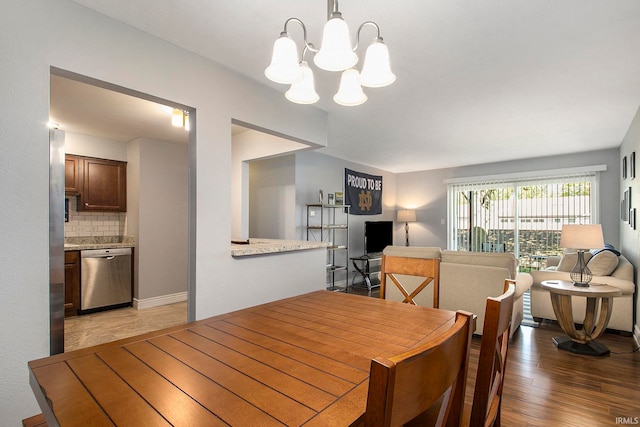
335	52
284	67
376	71
304	91
406	215
350	92
581	236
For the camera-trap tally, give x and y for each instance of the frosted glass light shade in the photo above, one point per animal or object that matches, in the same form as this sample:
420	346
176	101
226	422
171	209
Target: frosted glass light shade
304	91
335	52
284	67
350	92
376	71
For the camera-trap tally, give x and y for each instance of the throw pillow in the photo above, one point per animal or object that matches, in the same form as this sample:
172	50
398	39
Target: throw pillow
569	259
607	247
603	263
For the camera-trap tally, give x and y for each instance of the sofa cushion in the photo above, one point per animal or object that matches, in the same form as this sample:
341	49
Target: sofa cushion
603	263
569	260
490	259
523	283
624	270
413	251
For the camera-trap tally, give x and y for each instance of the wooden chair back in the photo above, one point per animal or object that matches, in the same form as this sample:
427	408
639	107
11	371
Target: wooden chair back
393	268
492	361
402	389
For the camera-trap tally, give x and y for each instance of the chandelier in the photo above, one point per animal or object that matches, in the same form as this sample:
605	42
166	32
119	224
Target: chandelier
335	54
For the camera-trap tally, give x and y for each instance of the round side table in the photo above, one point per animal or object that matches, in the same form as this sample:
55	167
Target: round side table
597	315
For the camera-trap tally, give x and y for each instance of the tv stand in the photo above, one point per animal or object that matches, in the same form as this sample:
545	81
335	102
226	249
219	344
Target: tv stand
364	270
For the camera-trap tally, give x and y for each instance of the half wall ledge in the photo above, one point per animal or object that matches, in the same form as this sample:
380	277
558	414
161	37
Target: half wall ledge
256	246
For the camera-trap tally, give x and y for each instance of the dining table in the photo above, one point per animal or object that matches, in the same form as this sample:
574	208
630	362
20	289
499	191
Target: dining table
302	360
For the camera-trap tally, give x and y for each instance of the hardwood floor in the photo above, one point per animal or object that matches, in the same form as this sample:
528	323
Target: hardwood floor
544	386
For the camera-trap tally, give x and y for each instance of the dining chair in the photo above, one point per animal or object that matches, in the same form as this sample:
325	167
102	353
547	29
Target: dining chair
400	273
405	389
492	361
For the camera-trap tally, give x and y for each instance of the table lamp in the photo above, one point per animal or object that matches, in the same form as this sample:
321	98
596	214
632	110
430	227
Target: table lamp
406	216
581	237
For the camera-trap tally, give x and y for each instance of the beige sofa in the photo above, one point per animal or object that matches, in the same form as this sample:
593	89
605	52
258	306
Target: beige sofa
467	279
558	268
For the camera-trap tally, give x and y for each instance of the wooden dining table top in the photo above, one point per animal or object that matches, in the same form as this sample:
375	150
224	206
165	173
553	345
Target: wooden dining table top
303	360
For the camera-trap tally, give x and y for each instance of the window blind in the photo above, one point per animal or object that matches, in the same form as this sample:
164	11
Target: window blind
523	214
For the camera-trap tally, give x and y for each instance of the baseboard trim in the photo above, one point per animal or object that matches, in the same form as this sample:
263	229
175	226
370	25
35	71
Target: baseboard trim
141	304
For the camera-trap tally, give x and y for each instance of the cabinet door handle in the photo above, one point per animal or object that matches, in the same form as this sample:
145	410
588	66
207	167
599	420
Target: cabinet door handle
86	204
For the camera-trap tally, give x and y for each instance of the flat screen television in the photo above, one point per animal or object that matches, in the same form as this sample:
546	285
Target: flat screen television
377	236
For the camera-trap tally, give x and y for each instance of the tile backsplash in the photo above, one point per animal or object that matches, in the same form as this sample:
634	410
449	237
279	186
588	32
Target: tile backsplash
90	224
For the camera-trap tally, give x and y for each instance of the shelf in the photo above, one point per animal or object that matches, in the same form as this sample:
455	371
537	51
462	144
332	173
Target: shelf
330	224
318	205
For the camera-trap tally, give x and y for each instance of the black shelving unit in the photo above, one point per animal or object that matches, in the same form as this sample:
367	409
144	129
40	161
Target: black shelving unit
330	223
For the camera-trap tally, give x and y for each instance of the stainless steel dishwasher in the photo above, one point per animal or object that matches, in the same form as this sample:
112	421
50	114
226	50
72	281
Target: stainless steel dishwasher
105	278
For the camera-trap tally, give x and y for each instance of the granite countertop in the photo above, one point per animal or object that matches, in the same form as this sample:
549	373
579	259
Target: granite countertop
271	246
106	242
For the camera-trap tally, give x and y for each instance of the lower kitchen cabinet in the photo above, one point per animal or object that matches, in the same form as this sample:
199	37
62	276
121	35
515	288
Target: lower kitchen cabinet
71	283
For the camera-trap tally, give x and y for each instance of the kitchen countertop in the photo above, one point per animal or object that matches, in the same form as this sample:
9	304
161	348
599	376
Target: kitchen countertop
271	246
107	242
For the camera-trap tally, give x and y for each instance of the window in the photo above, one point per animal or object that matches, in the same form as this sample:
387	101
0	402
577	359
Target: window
525	214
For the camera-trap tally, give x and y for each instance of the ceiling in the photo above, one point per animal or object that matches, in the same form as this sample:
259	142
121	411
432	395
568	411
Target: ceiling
477	81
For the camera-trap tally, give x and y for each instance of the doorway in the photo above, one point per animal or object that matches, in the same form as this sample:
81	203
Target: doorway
93	113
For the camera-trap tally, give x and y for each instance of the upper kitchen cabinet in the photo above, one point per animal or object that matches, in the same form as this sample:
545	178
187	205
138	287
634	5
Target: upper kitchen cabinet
103	185
72	177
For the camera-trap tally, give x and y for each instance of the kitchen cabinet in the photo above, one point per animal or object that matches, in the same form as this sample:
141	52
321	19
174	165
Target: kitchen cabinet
72	175
71	283
104	185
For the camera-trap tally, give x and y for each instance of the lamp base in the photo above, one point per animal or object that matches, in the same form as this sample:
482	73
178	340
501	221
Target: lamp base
592	348
406	231
581	284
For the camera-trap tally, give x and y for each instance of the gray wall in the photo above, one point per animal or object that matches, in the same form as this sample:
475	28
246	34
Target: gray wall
427	193
272	198
629	238
163	214
316	171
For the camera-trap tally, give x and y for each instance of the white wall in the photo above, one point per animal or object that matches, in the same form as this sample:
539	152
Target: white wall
272	198
426	192
91	146
35	35
247	146
629	238
162	244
